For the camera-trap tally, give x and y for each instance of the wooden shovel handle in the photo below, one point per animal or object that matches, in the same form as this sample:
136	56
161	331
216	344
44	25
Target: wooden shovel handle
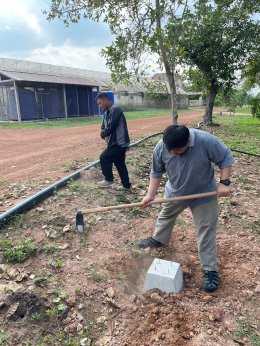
156	201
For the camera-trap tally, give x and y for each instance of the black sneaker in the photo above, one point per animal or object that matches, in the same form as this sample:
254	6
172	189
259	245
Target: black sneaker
211	281
149	242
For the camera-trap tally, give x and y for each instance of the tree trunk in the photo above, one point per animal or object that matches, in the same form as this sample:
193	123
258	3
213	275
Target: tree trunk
169	71
171	80
209	104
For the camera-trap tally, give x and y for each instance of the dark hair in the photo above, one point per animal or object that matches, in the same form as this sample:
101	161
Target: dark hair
176	136
103	96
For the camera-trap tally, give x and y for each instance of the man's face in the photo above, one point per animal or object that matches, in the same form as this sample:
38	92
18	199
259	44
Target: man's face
104	104
180	151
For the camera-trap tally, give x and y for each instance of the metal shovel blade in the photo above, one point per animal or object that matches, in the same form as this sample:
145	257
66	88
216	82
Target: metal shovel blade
80	222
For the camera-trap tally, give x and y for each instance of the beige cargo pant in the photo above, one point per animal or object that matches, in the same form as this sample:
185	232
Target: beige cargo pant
205	217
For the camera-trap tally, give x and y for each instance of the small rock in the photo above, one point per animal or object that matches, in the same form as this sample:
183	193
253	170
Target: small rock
155	297
257	289
71	328
110	292
79	318
207	298
81	306
209	331
85	342
79	327
40	209
101	319
63	246
214	317
156	311
66	229
71	301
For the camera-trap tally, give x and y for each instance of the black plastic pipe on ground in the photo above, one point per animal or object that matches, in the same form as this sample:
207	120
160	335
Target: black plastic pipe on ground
38	197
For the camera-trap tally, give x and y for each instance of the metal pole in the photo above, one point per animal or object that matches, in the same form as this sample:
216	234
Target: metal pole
18	110
65	101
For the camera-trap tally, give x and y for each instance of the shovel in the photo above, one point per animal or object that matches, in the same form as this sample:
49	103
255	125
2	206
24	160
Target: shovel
80	214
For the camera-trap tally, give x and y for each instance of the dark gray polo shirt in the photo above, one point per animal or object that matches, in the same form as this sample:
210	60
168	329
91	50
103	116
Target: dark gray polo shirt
191	172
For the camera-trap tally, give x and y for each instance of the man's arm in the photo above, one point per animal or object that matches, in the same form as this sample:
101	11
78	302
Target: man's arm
223	190
152	190
113	121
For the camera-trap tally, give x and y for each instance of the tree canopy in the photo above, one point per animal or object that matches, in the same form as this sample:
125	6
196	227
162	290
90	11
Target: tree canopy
218	37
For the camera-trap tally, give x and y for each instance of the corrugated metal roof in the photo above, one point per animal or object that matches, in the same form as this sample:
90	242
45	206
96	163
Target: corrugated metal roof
47	78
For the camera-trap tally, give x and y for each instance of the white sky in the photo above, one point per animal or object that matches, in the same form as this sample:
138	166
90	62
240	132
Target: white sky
26	34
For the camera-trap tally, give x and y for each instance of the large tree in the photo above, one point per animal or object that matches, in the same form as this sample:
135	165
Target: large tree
142	29
219	37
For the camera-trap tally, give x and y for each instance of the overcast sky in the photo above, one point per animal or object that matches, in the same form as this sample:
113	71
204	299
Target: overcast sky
26	34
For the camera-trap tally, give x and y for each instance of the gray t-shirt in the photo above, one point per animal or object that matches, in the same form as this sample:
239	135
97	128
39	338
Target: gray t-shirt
191	172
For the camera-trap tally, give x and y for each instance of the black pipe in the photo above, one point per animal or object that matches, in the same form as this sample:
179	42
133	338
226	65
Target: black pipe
30	202
244	152
33	200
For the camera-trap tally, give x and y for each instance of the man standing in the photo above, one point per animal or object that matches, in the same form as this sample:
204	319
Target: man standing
187	156
114	131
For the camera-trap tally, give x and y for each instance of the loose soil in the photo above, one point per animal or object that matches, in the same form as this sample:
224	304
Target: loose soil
88	289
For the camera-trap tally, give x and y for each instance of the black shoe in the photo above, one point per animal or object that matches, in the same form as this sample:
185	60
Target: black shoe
211	281
149	242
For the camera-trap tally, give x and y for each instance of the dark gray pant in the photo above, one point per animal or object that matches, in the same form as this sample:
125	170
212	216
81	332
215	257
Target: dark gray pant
205	218
115	155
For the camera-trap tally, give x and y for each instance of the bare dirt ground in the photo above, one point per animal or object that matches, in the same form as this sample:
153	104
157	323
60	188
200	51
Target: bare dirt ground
28	154
61	288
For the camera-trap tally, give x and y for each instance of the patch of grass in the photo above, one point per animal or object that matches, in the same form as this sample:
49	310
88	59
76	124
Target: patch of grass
56	263
245	329
134	250
4	338
42	279
181	222
75	122
55	232
244	110
122	199
69	167
50	248
16	221
17	253
2	184
76	186
55	123
121	277
241	132
142	184
95	275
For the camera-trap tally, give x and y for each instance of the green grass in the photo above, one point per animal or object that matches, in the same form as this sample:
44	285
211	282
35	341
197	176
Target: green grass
18	252
245	329
244	110
240	132
63	123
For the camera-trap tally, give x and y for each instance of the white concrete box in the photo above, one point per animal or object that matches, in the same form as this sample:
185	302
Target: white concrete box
167	276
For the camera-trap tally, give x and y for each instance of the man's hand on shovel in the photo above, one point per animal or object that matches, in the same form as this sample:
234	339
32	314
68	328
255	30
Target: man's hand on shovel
146	201
223	190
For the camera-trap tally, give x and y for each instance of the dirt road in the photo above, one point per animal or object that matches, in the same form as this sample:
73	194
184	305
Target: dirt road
28	154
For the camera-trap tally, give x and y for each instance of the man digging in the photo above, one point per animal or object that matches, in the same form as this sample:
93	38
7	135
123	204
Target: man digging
186	155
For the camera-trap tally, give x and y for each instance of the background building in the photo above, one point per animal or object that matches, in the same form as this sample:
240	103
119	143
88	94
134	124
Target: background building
35	91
